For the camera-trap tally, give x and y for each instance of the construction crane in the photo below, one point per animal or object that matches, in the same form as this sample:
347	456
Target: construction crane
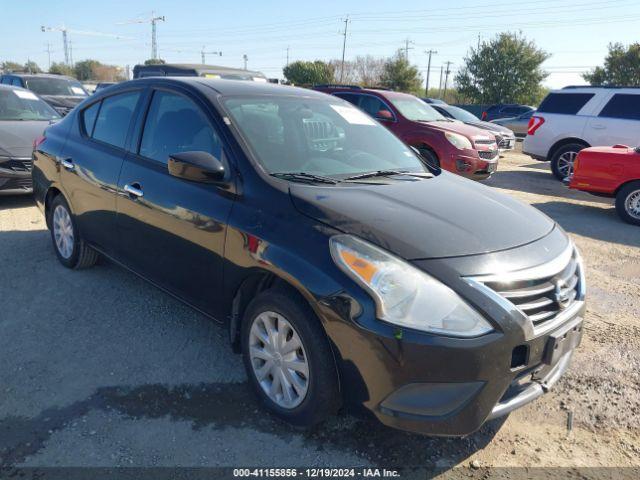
152	20
65	38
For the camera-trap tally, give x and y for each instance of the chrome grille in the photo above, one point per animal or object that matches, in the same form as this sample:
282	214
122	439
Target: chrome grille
542	298
487	154
17	165
504	142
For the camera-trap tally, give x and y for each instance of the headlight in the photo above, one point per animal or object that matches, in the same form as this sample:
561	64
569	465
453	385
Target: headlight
458	141
404	295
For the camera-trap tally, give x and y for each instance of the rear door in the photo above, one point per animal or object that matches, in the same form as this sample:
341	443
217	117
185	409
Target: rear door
172	230
618	122
91	163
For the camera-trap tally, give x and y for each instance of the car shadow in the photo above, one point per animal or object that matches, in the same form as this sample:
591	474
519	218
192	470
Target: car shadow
592	221
8	202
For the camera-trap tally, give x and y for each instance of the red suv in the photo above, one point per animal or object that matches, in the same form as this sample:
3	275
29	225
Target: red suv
452	145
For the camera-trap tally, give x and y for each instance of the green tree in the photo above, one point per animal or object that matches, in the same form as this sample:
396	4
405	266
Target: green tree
85	69
503	70
621	67
399	74
10	66
309	73
32	67
61	69
154	61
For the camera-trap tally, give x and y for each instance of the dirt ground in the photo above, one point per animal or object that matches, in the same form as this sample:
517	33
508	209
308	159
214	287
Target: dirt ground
97	368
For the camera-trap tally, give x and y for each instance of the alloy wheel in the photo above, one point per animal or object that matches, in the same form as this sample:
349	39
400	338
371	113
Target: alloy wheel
632	204
278	359
565	163
63	232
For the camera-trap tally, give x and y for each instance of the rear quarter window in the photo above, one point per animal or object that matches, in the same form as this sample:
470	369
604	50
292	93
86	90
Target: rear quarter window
566	103
622	105
114	118
88	118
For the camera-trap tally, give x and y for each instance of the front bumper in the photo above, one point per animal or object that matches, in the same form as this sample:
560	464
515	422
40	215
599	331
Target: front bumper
15	176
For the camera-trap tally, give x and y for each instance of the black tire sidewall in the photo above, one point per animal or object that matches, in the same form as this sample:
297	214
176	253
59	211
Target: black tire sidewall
73	259
621	198
572	147
322	398
430	157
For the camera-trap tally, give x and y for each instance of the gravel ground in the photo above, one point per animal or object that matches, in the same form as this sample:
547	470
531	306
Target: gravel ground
98	368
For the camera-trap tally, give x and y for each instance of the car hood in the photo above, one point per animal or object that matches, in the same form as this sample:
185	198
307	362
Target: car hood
62	100
453	126
493	127
499	121
445	216
16	137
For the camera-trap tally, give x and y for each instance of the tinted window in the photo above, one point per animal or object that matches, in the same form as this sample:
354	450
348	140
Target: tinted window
622	105
114	118
372	105
89	117
17	82
527	115
568	103
511	110
349	97
6	80
175	124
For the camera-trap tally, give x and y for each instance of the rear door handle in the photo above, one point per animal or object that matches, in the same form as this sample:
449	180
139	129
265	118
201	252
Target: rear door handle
134	190
67	163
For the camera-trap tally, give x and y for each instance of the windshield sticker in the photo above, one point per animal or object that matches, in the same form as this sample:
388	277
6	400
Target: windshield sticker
77	90
259	79
26	95
211	75
353	115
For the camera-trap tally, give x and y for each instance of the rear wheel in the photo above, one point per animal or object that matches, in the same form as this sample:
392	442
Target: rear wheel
288	359
70	248
628	203
563	158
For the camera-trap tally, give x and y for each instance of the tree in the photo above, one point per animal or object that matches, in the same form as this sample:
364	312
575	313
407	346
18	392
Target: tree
503	70
10	66
32	67
309	73
399	74
85	68
621	67
369	69
61	69
154	61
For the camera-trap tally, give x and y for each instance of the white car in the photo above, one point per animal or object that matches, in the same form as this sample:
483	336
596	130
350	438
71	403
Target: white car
574	118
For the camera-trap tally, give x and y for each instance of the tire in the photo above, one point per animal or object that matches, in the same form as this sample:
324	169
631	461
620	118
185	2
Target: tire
316	395
562	160
70	249
430	157
628	203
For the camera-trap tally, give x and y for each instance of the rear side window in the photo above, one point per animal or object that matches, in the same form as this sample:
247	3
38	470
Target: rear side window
349	97
114	118
89	116
622	105
567	103
175	124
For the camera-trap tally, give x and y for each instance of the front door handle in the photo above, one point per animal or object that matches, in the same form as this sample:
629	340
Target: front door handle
598	126
134	190
67	163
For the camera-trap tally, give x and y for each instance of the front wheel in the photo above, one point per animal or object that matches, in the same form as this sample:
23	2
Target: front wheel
70	248
563	158
628	203
430	157
288	359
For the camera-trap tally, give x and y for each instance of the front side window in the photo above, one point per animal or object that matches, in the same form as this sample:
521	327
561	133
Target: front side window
55	86
622	105
416	110
175	124
24	105
317	136
114	118
372	105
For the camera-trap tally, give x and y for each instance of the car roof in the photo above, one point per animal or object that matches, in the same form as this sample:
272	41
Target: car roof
197	67
39	75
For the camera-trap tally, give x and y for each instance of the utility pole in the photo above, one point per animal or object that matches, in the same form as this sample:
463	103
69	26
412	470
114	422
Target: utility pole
344	46
154	38
440	84
407	48
426	87
48	50
287	55
246	59
446	80
203	53
70	54
478	42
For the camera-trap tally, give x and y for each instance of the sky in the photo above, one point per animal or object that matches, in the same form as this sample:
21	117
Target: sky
575	32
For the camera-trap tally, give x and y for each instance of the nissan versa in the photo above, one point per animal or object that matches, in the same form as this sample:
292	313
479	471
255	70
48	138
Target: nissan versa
346	270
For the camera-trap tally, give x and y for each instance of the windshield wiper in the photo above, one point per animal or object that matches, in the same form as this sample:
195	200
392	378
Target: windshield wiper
386	173
304	176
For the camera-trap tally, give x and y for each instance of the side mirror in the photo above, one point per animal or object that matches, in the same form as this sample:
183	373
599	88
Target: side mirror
384	115
196	166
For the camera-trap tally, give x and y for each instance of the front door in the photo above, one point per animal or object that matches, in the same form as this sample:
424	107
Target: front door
617	123
171	230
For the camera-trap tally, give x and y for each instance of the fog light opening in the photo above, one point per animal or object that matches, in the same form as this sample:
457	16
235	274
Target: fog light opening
519	357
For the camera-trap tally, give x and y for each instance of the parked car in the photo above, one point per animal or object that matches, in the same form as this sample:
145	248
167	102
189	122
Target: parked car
458	148
23	118
505	138
574	118
610	172
196	70
102	85
518	125
433	100
62	93
505	110
345	269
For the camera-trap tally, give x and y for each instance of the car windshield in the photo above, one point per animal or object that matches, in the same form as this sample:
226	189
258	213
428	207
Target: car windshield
24	105
55	86
462	114
414	109
321	137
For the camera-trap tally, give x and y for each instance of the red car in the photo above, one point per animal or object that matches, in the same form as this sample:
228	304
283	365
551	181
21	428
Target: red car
611	172
454	146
